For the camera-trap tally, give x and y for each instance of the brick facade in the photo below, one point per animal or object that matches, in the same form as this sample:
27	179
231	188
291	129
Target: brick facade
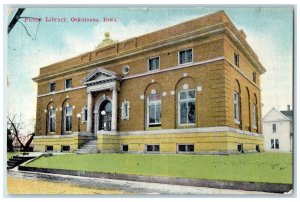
213	75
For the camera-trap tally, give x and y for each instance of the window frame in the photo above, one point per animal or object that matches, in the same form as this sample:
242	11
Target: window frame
150	125
187	100
236	107
49	120
254	114
69	79
153	147
254	77
148	63
46	148
65	118
123	107
62	150
186	147
274	140
84	114
51	83
236	62
122	148
274	131
185	63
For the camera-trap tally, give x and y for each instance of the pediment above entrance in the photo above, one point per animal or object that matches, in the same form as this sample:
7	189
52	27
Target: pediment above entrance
100	75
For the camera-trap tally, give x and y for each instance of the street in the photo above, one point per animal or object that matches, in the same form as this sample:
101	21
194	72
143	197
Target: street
42	183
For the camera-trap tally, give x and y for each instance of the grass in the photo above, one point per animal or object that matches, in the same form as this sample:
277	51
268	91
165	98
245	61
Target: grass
11	154
259	167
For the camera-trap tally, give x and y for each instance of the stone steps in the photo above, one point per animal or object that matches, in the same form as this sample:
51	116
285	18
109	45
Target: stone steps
17	160
89	147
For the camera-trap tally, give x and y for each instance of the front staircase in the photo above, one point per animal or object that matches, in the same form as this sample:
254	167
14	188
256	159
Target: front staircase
17	160
89	147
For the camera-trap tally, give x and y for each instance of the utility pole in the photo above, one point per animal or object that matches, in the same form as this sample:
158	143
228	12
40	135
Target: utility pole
15	19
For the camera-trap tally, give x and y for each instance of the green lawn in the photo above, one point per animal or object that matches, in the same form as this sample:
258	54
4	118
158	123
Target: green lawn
11	154
259	167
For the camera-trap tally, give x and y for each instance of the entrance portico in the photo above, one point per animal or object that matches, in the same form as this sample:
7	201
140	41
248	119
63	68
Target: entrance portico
100	80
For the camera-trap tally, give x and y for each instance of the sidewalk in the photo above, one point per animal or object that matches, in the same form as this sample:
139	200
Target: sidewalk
88	185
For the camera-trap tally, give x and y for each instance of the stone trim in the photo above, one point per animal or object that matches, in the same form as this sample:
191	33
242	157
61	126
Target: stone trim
161	71
83	133
181	131
61	91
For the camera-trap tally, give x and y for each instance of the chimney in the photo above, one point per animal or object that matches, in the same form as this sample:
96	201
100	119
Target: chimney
288	107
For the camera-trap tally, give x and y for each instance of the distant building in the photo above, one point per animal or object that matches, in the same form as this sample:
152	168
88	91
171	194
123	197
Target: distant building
278	130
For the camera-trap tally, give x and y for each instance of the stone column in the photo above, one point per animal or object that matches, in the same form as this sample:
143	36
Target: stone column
90	113
114	109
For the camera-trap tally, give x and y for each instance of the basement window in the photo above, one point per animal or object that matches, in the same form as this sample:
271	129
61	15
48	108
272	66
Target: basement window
124	147
240	148
65	148
257	148
152	148
49	148
185	148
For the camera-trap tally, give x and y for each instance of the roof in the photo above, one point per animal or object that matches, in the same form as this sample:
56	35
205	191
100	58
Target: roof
275	115
289	114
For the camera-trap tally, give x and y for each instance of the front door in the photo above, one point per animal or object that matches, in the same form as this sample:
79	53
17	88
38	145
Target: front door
105	112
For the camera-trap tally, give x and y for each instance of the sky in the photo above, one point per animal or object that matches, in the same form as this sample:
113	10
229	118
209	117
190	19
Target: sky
269	32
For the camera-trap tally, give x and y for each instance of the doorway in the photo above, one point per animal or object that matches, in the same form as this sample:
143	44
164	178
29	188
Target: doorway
105	115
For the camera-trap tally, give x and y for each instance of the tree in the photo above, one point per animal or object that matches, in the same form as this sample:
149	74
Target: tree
14	128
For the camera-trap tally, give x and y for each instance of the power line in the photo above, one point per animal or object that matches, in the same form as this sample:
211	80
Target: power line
15	19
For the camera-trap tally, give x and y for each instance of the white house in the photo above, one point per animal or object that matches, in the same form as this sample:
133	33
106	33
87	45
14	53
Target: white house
278	130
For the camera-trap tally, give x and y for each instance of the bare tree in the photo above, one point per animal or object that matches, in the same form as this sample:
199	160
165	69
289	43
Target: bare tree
15	126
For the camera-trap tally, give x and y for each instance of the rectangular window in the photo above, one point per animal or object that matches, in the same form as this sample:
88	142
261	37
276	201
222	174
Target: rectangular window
254	116
240	148
68	119
49	148
85	114
52	120
65	148
274	127
51	87
236	107
124	147
185	148
154	110
153	63
187	111
185	56
152	148
125	110
236	59
254	77
274	143
68	83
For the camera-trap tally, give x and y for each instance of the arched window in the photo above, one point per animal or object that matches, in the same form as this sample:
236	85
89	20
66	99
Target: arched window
68	117
51	119
254	111
249	109
237	103
186	89
153	94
